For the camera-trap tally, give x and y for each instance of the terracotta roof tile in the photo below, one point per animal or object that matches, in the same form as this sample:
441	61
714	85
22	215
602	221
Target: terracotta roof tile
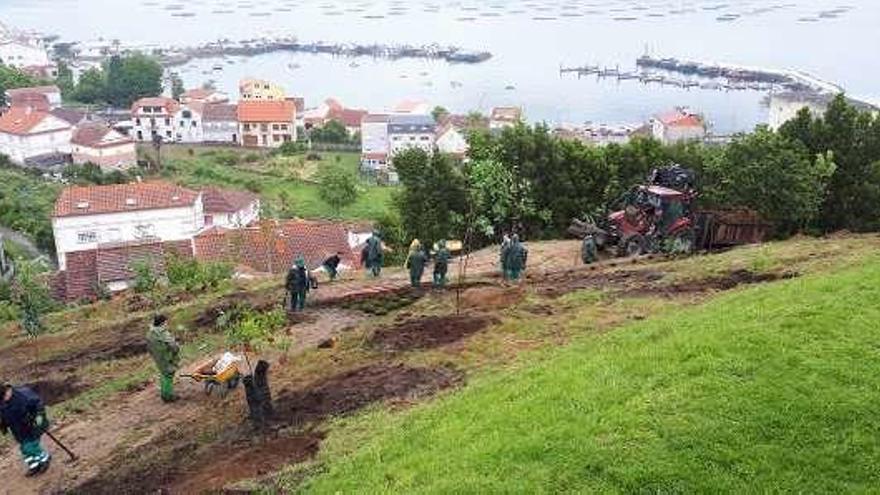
92	134
267	111
35	100
44	90
170	105
507	114
21	120
220	112
272	247
95	200
226	200
349	117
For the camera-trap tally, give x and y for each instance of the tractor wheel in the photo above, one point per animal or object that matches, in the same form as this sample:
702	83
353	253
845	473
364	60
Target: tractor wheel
633	245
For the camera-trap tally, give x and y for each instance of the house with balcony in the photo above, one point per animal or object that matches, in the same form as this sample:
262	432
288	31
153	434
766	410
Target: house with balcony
154	116
266	124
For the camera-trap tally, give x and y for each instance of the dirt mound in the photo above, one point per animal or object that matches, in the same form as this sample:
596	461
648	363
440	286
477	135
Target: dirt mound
491	297
729	281
57	391
380	305
429	333
264	457
358	388
558	284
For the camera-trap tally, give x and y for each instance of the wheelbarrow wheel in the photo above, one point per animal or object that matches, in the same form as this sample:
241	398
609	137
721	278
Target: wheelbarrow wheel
209	387
233	382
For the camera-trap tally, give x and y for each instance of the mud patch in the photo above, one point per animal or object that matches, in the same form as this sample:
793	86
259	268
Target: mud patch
492	297
380	305
57	391
353	390
558	284
729	281
241	462
429	333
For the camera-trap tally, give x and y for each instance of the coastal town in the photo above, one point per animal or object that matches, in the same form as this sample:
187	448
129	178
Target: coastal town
215	278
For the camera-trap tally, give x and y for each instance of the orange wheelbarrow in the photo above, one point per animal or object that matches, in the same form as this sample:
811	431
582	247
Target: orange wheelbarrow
217	379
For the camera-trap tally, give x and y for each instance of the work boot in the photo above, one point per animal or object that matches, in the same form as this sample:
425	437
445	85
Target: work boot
44	466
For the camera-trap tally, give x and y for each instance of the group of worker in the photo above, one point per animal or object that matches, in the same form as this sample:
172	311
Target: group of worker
417	259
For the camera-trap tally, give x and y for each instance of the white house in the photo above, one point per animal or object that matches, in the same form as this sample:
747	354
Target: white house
20	54
503	117
204	95
96	142
230	209
220	123
86	218
678	126
28	133
153	117
188	126
451	139
374	141
410	131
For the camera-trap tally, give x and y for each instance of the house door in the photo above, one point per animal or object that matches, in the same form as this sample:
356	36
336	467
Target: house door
251	141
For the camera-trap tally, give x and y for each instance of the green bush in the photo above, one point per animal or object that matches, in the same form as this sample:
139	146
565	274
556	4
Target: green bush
8	312
291	148
245	326
145	280
190	275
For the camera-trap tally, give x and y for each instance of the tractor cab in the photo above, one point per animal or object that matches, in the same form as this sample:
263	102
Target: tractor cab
647	216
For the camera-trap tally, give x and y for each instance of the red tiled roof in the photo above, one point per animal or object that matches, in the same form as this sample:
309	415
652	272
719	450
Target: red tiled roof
273	246
197	94
115	263
680	119
226	201
170	105
91	134
94	200
220	112
507	114
21	120
43	90
35	100
349	117
377	118
267	111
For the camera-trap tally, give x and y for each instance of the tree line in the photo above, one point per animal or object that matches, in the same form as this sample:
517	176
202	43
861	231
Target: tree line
120	81
817	174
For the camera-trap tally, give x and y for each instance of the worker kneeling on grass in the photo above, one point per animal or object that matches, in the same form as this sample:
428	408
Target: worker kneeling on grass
22	412
165	351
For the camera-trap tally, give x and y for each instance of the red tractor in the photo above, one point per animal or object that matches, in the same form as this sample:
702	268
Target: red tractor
660	216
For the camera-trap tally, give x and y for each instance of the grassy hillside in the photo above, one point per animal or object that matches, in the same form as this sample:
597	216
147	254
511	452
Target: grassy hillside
767	389
285	183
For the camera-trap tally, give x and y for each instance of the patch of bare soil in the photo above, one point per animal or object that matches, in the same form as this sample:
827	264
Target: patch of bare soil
429	333
728	281
358	388
558	284
382	304
57	391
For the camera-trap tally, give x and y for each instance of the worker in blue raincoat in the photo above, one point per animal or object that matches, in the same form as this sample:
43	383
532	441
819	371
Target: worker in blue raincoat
23	414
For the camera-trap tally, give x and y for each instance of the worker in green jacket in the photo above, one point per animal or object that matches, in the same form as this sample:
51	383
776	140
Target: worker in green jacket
373	255
415	263
165	351
515	259
589	250
505	248
441	264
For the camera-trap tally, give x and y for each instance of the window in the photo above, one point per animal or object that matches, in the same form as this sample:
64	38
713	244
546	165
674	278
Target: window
287	138
181	123
167	121
144	231
187	114
283	127
112	235
168	134
276	127
195	124
276	138
265	139
137	121
412	138
247	127
87	237
153	122
264	127
424	138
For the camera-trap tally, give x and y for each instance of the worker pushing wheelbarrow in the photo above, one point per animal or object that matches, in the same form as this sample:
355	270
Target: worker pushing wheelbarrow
218	375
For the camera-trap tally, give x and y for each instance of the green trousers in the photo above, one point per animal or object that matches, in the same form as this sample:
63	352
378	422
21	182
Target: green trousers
513	273
298	300
166	387
440	278
33	455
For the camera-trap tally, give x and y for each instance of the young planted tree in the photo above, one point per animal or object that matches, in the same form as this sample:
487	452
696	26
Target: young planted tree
337	186
31	295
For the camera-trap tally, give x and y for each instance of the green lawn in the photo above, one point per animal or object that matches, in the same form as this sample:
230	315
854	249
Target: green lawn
768	389
285	183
